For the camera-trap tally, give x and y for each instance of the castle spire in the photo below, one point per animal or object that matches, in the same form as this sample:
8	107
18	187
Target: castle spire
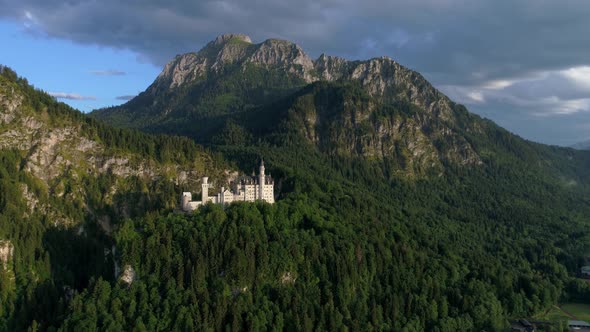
261	180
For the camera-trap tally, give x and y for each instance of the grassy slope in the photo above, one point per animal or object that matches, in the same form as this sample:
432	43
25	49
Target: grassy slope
566	311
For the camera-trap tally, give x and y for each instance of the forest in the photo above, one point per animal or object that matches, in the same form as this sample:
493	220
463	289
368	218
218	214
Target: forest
349	245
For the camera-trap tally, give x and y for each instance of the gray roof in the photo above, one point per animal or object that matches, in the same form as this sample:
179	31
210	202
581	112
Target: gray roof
578	323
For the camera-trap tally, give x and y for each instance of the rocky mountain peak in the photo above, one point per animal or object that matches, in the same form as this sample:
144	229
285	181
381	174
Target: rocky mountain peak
284	54
235	48
222	39
330	68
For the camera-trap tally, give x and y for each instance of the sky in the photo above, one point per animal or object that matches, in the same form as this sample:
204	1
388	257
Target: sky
523	63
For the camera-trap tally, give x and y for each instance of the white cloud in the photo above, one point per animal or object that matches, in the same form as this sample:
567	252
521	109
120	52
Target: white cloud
476	96
498	84
109	72
70	96
579	75
541	94
29	20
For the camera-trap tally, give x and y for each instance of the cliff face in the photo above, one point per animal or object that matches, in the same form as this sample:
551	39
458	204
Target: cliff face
63	153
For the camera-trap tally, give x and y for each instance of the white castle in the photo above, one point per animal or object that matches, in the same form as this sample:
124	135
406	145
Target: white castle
245	189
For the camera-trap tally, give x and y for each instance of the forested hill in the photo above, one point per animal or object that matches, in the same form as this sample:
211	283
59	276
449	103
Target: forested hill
398	209
66	182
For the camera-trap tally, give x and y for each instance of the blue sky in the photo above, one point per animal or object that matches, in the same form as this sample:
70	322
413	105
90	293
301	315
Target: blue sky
523	63
95	75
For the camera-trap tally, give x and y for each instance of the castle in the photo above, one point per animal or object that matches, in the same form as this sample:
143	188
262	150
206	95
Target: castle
244	189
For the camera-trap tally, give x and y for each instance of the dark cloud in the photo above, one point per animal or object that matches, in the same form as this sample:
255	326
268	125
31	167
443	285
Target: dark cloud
489	52
108	72
454	40
556	129
125	98
70	96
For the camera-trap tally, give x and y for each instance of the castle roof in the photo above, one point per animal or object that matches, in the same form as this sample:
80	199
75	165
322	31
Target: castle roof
254	180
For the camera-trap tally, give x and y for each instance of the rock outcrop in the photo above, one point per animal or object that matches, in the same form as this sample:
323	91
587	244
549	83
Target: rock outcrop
6	253
128	275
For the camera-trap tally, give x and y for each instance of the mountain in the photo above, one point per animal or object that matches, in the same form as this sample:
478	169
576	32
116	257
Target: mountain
396	208
235	92
197	93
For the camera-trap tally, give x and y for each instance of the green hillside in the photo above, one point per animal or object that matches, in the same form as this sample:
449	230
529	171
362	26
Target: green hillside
397	209
66	182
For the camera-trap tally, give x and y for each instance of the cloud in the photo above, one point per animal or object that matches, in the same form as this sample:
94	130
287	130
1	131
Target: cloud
70	96
453	40
579	75
494	55
546	93
450	41
108	72
549	106
128	97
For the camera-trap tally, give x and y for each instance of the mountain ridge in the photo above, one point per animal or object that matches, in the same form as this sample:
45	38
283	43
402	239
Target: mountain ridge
231	75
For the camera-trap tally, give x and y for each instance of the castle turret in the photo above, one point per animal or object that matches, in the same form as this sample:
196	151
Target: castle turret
186	198
261	180
205	191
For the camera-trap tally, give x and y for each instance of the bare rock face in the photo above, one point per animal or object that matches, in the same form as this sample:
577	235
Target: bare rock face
9	106
191	67
6	253
229	49
285	55
331	68
288	278
128	275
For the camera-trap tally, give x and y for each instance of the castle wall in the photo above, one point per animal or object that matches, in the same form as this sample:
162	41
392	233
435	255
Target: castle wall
250	193
191	206
228	197
268	193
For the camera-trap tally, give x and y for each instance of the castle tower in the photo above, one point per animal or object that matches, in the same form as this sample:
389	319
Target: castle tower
186	198
205	191
261	180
